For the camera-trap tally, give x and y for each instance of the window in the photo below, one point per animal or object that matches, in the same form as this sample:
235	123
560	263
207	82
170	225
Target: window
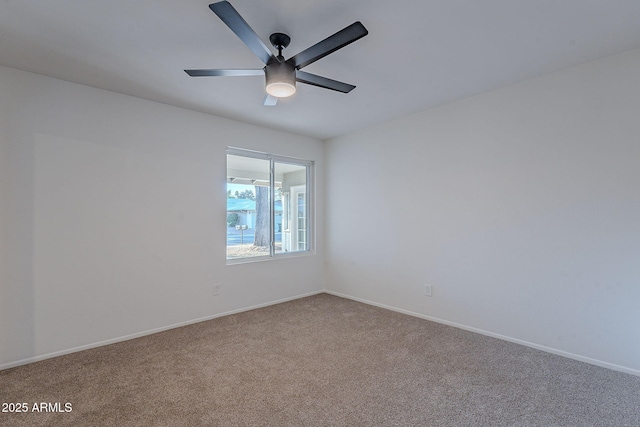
268	205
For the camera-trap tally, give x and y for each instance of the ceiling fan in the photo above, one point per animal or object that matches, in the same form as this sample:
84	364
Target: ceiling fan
282	75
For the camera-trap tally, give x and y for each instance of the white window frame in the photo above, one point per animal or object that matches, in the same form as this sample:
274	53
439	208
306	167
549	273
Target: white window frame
310	204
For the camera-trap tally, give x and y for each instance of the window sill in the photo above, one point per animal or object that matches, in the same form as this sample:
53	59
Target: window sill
286	255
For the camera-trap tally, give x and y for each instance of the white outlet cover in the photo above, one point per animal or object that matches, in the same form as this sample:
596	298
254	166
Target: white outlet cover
427	290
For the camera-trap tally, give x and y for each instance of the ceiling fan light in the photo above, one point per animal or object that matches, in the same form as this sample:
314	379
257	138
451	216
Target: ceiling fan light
281	79
281	89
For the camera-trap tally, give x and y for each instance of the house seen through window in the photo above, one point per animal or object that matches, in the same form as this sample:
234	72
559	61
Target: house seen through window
268	205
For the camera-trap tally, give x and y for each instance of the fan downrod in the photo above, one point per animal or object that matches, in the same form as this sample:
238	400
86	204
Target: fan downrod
279	41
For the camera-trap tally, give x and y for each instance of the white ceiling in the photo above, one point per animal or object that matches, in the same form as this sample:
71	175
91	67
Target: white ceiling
418	54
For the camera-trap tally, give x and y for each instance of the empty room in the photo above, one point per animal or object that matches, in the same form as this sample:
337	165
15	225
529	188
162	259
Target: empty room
304	213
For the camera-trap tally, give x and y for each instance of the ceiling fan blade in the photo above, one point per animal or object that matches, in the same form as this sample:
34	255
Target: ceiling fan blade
270	100
233	73
329	45
315	80
239	26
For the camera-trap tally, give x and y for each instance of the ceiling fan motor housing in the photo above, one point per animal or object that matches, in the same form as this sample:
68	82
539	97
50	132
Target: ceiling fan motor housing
281	79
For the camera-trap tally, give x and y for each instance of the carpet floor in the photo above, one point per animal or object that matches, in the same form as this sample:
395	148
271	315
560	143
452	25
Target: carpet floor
318	361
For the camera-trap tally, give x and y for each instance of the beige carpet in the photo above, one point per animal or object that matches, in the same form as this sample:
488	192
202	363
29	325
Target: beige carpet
319	361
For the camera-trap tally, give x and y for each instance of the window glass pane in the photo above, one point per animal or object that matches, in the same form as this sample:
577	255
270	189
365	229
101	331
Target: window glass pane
248	207
291	209
268	208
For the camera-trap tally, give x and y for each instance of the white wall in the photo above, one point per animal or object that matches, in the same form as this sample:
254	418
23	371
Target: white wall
529	213
113	217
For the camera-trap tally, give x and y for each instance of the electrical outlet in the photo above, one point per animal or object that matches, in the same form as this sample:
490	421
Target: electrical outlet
216	289
427	290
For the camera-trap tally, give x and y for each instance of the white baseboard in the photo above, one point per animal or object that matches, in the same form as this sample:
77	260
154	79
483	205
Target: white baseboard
551	350
148	332
494	335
